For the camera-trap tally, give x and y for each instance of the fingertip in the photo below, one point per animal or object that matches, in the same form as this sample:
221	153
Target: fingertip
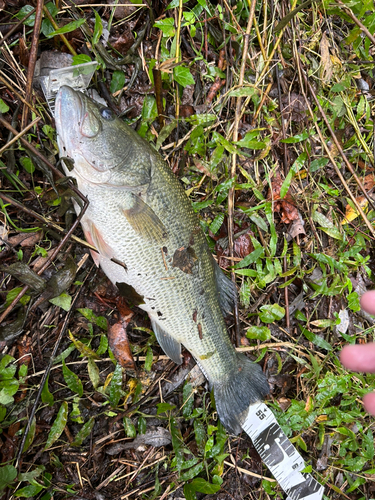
367	302
369	402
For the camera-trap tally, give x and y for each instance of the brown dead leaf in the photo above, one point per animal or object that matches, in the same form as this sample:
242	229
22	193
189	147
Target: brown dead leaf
24	53
294	107
369	182
296	227
124	11
326	70
286	205
242	245
124	41
25	239
118	338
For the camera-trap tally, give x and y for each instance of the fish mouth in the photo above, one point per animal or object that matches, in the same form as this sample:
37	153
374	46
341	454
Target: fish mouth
68	113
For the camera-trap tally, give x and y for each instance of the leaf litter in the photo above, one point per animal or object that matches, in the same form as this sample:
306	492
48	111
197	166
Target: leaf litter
301	254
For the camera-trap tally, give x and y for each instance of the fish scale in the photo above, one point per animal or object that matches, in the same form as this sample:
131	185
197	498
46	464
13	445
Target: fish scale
140	215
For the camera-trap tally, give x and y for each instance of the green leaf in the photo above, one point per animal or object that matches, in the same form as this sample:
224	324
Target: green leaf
188	400
29	491
353	302
333	232
7	368
8	390
166	26
117	82
64	301
82	348
338	87
193	472
149	359
84	432
202	486
27	164
249	142
47	397
98	29
8	474
243	92
271	312
164	407
30	436
318	163
93	371
23	12
81	59
142	425
251	258
149	109
58	425
129	428
177	443
68	28
100	321
217	223
182	75
47	27
200	434
115	388
103	345
72	380
4	108
296	138
258	332
315	339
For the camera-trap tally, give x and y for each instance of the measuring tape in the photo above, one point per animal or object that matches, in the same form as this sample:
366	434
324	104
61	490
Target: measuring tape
275	449
279	455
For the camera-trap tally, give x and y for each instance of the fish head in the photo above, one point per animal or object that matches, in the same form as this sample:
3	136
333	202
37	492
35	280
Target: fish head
90	134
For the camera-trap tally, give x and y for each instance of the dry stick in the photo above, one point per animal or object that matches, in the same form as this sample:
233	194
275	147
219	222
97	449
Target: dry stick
9	86
268	61
32	60
234	161
177	58
340	150
159	95
56	26
302	76
15	27
48	369
53	225
15	138
356	21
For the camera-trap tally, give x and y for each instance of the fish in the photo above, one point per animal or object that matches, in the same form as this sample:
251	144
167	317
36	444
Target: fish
149	238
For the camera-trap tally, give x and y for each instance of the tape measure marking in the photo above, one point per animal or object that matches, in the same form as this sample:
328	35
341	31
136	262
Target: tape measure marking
279	455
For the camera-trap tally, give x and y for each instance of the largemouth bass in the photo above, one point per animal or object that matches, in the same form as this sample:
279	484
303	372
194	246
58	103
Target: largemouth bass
140	215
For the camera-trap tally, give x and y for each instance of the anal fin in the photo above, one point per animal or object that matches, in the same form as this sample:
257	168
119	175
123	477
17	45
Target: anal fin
170	346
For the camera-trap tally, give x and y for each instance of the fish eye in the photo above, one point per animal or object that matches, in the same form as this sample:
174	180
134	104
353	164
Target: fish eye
107	114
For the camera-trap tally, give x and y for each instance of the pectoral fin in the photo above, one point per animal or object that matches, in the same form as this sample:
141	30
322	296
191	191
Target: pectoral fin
143	220
95	238
170	346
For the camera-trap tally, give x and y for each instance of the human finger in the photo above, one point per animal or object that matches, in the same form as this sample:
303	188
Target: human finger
359	357
369	402
368	302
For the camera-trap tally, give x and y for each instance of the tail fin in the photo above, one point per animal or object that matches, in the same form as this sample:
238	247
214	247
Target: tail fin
243	386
